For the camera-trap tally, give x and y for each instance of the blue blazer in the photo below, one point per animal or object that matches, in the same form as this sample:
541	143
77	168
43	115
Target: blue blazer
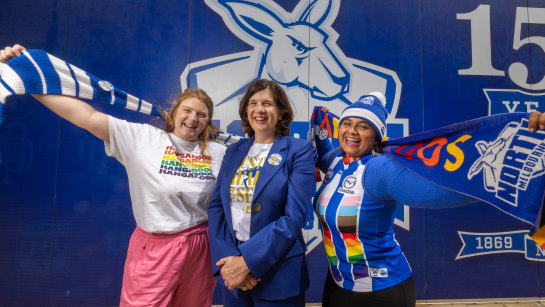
276	249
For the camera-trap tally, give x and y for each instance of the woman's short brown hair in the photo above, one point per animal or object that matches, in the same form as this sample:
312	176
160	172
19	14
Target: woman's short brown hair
210	129
280	99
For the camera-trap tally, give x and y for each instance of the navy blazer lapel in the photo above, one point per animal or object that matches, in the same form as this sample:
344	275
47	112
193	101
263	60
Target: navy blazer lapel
238	154
280	147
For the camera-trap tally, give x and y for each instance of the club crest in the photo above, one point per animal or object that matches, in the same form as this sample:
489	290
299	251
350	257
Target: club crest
510	162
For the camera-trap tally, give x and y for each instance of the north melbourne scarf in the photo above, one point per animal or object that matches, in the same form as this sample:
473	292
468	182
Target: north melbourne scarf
494	159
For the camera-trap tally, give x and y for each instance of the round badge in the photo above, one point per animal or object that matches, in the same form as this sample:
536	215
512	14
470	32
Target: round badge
316	130
323	134
105	85
275	159
328	176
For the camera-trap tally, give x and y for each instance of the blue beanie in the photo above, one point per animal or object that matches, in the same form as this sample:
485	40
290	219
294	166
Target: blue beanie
371	108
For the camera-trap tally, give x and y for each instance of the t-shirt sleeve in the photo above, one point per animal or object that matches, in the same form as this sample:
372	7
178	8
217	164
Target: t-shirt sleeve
387	181
123	138
217	151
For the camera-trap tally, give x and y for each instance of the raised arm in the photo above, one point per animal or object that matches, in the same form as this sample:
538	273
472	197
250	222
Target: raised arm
78	113
324	147
388	181
72	109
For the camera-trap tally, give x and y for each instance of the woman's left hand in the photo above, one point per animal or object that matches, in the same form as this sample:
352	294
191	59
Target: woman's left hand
9	53
234	271
536	120
249	283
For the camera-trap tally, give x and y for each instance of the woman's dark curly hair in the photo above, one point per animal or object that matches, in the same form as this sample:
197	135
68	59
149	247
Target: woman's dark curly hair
280	99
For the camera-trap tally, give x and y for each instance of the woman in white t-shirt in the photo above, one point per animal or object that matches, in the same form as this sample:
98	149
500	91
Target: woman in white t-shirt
171	178
260	205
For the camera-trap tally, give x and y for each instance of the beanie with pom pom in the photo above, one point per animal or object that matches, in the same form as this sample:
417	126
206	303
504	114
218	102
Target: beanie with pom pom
371	108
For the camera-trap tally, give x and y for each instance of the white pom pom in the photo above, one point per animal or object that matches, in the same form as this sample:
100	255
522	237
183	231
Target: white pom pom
380	97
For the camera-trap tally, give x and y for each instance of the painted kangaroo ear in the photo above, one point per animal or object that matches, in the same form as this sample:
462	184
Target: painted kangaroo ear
316	12
254	18
481	147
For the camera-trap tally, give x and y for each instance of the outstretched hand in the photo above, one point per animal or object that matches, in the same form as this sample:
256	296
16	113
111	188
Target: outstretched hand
536	121
9	53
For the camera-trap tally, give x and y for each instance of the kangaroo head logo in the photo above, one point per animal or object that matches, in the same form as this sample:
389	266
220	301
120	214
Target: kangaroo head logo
298	50
289	43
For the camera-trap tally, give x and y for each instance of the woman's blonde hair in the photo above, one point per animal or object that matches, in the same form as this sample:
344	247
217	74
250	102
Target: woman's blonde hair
209	131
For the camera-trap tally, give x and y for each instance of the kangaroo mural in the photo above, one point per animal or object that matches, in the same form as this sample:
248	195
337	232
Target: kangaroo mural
298	50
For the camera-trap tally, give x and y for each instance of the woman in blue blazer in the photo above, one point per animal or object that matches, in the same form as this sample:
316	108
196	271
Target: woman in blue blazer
260	204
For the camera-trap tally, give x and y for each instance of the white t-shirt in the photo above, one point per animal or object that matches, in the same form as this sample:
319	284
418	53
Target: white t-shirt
170	181
242	189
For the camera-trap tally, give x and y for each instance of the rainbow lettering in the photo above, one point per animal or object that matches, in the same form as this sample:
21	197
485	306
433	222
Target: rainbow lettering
186	165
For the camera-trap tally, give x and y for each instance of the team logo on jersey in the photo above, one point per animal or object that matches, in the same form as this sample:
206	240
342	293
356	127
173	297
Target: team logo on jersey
378	272
510	162
348	184
328	176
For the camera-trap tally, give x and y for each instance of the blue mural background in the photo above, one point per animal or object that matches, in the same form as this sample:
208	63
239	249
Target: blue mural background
66	216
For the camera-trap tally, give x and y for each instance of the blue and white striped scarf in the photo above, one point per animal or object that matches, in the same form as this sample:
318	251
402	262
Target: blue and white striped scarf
37	72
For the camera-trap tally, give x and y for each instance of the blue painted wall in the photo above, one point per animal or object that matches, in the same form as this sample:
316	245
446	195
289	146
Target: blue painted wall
66	216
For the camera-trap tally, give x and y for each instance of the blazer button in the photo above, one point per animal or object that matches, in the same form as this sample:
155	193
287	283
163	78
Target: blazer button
256	207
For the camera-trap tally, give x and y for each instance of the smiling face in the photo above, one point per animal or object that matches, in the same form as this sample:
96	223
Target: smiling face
263	115
356	136
190	119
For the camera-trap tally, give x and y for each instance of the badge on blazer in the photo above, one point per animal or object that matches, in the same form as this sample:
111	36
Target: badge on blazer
275	159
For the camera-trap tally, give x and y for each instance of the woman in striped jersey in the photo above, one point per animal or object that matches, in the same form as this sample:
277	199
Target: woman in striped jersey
356	205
